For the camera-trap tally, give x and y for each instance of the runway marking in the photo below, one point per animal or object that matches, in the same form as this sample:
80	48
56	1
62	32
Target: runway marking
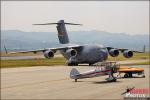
42	82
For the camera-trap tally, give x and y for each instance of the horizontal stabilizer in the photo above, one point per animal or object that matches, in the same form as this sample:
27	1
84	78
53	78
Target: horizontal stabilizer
57	24
5	49
46	24
72	24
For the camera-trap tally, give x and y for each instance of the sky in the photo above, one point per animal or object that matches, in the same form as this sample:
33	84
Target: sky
131	17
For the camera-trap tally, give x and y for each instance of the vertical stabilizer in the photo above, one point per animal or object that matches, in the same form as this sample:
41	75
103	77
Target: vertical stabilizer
62	33
73	74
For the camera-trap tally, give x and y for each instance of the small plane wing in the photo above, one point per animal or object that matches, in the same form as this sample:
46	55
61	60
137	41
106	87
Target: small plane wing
122	49
43	50
66	47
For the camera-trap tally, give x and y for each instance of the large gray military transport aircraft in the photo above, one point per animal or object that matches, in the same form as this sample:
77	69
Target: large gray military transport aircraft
79	54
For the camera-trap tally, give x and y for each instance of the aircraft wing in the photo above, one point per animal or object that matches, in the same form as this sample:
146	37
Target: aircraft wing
123	49
43	50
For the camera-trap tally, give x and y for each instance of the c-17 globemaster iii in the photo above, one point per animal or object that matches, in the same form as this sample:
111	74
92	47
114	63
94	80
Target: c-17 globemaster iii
79	54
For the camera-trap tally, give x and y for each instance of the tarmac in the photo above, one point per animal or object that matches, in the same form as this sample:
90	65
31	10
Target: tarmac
53	82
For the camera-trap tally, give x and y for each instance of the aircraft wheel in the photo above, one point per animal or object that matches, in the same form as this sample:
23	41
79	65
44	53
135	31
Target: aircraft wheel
72	64
114	80
75	64
69	64
126	75
130	75
143	76
75	80
90	64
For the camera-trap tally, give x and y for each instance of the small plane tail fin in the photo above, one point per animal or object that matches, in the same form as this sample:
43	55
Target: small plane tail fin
62	32
74	72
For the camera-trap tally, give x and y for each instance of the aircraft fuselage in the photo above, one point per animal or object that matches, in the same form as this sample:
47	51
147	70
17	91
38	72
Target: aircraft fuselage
87	54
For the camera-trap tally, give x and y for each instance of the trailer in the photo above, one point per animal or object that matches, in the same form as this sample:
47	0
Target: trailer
129	71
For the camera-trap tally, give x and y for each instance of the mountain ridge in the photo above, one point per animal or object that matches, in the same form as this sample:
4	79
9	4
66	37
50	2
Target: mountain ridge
35	40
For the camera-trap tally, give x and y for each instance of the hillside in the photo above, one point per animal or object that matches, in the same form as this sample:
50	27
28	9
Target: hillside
19	40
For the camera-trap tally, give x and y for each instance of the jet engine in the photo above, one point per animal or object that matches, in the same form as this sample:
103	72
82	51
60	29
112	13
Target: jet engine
49	54
114	52
71	52
127	54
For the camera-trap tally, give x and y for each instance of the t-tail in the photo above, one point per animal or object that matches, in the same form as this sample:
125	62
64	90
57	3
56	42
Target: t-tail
62	32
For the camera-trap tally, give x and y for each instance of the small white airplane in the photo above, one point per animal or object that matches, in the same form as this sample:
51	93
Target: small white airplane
106	69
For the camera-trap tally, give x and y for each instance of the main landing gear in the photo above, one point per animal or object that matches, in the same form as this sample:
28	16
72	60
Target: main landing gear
72	64
75	80
111	78
128	75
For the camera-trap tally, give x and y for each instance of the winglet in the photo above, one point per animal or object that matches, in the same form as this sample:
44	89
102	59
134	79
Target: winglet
144	47
5	50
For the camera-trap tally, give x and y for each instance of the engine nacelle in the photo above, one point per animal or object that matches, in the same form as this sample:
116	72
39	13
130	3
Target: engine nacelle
71	52
49	54
114	52
128	54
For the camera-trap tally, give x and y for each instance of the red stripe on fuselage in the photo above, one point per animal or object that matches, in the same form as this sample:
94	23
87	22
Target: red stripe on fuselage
96	73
